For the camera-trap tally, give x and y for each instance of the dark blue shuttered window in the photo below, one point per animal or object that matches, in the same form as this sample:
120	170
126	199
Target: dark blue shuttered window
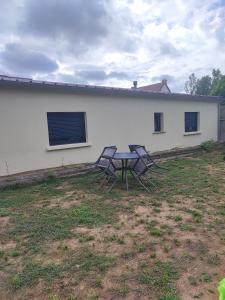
158	122
191	121
66	128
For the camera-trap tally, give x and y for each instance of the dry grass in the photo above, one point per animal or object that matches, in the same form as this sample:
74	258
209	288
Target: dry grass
68	239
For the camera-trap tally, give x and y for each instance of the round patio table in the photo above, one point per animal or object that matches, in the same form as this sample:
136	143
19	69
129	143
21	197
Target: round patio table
125	157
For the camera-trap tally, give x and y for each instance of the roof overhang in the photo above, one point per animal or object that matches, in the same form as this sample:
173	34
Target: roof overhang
26	83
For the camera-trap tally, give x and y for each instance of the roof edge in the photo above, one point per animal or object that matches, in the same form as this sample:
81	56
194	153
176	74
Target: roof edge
28	82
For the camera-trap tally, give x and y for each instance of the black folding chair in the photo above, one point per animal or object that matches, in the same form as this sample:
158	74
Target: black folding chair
133	147
139	171
107	153
105	164
144	154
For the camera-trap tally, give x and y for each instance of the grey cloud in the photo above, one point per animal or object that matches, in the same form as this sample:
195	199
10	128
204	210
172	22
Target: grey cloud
119	75
80	25
21	61
98	75
166	48
67	78
9	15
101	75
75	22
91	75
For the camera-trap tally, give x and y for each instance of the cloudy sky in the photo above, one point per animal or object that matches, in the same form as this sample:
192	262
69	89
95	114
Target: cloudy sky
112	42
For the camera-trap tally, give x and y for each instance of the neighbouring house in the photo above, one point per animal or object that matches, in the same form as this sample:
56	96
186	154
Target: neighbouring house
160	87
50	124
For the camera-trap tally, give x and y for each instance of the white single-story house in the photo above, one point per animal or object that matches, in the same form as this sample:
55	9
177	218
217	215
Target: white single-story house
49	124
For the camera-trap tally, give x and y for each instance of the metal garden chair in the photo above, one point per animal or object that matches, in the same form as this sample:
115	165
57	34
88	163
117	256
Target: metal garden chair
106	166
133	147
144	154
139	171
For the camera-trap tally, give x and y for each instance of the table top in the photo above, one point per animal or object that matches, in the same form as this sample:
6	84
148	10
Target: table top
125	155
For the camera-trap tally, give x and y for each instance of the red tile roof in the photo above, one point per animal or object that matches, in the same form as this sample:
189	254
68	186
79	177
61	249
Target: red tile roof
156	87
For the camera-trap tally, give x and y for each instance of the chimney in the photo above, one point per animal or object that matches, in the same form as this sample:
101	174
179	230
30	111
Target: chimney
134	84
164	81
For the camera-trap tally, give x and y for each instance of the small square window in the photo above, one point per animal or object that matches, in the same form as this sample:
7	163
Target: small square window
158	122
66	128
191	121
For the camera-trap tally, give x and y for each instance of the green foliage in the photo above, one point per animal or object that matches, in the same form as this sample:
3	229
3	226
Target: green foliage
208	145
178	218
216	76
86	238
213	84
114	238
204	85
87	261
156	231
205	277
81	265
169	297
20	197
123	291
4	212
191	84
72	298
32	272
15	253
44	224
162	279
219	88
2	254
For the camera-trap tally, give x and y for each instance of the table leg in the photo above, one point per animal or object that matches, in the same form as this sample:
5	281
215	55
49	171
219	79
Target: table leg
126	162
122	169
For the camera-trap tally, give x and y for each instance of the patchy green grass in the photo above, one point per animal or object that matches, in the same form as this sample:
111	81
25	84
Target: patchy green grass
42	225
32	273
70	239
161	278
80	265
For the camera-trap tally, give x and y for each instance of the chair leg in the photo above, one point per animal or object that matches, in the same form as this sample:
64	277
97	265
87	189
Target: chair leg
99	176
108	179
146	184
103	181
114	182
151	183
141	183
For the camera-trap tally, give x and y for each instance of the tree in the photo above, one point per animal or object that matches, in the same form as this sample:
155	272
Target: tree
191	84
216	76
204	85
219	88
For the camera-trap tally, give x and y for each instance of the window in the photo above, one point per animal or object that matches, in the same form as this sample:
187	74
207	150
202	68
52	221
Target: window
66	128
158	122
191	121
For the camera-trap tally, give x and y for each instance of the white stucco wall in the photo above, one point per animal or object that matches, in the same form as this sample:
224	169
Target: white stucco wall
110	121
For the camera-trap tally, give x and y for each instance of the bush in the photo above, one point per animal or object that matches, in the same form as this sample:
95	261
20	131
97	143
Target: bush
208	145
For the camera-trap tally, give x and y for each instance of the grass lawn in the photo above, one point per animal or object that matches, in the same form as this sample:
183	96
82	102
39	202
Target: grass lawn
67	239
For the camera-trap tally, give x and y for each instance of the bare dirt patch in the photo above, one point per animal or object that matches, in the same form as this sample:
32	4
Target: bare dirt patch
9	245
